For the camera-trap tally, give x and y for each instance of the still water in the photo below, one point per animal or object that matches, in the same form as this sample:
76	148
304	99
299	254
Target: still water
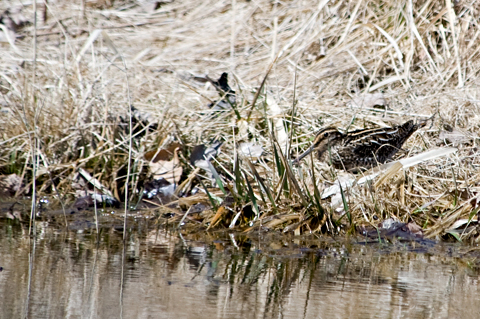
162	274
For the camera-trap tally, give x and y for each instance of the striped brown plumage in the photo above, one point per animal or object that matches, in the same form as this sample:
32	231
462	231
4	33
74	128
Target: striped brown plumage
364	148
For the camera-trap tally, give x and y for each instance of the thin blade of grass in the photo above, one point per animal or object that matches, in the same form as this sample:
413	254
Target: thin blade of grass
251	195
239	184
210	198
316	192
345	204
257	94
262	184
290	175
217	177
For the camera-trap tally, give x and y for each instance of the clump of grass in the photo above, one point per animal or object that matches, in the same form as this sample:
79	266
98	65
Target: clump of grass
62	108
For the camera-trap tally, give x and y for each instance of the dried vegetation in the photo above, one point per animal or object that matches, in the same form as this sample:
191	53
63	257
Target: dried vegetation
65	102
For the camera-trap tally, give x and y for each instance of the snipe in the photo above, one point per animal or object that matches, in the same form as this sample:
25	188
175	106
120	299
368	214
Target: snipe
364	148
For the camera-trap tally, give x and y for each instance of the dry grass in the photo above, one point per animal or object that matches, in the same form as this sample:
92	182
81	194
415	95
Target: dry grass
63	106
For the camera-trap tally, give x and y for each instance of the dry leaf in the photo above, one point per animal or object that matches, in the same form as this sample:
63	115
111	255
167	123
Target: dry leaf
220	212
169	170
163	154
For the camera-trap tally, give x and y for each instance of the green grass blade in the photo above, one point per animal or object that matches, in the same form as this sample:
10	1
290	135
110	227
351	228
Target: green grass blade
239	183
262	185
210	198
251	194
217	177
345	204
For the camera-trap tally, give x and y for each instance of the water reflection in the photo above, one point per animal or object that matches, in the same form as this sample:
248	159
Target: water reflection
229	276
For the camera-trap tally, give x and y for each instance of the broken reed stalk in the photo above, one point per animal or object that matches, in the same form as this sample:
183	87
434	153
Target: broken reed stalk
259	90
33	140
130	148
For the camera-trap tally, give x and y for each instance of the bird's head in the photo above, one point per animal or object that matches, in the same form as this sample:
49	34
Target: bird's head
325	138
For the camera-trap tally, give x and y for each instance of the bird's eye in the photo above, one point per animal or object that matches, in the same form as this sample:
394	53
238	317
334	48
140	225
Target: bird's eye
325	134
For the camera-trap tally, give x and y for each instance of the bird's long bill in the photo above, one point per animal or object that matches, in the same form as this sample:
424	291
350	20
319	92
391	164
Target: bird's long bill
301	156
